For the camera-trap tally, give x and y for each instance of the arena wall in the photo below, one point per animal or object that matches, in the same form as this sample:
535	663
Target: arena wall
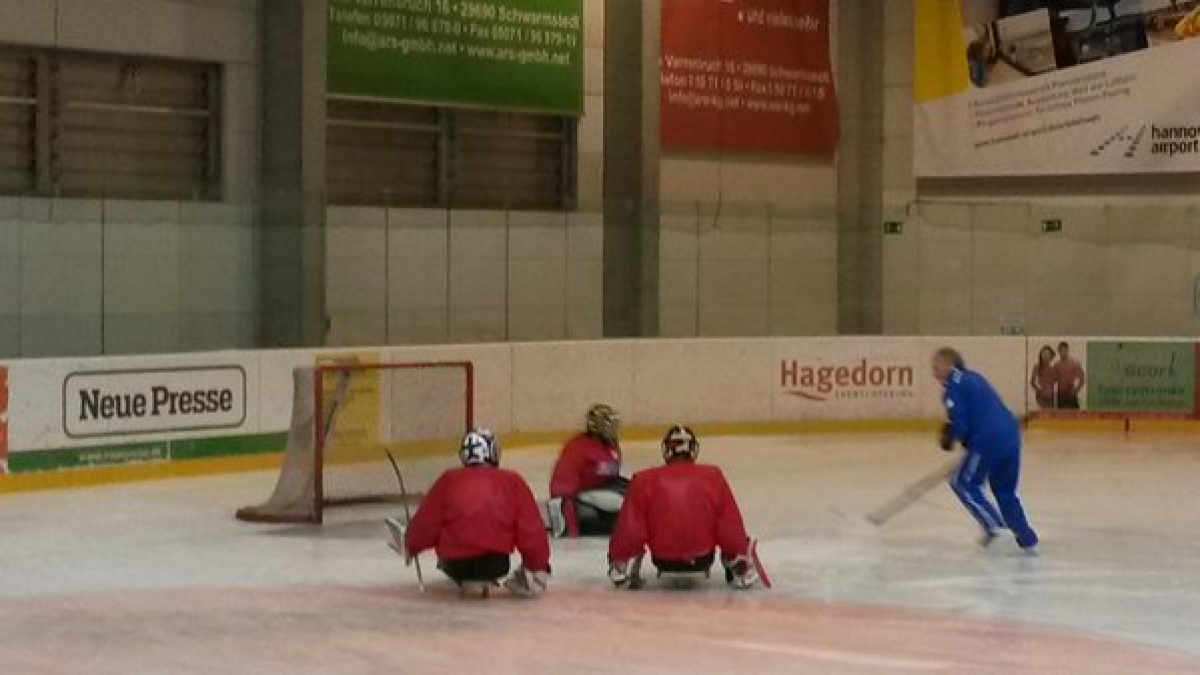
115	276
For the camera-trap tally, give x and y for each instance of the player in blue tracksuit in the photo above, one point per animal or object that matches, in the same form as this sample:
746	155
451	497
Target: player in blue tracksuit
991	435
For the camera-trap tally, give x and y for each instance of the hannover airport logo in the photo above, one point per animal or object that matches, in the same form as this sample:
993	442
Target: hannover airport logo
1163	141
1124	141
864	379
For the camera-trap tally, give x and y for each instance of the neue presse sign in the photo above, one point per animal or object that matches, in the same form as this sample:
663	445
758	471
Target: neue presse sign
131	402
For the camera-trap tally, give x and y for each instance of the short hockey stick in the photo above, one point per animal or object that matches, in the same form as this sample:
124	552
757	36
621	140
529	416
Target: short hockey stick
407	515
911	495
763	577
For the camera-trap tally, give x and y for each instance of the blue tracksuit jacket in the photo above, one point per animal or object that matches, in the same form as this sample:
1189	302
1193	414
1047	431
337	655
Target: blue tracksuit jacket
980	420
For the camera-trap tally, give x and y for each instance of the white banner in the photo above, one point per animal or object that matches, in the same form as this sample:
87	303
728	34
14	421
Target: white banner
852	378
125	403
1056	91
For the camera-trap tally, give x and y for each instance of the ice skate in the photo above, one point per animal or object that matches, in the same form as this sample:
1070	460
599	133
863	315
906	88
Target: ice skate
741	574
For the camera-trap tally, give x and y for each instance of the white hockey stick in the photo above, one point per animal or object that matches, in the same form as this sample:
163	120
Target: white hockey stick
911	494
407	515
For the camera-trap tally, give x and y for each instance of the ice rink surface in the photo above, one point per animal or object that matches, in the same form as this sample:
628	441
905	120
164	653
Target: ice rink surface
159	578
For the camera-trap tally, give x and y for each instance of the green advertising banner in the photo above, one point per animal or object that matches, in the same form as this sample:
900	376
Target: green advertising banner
1141	376
512	54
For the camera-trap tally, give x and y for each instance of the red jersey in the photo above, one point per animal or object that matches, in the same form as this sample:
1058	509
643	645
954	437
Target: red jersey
586	463
682	511
477	510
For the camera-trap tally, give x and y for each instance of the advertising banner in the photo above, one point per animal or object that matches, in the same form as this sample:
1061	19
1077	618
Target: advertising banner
854	379
1111	379
1154	377
357	399
883	378
1055	377
512	54
65	413
748	76
134	402
1018	88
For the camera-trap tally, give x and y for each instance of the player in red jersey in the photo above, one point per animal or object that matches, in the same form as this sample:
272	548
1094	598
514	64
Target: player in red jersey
586	488
476	516
683	512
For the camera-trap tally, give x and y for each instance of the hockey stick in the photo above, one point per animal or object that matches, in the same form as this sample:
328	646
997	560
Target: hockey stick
636	582
407	515
911	495
763	578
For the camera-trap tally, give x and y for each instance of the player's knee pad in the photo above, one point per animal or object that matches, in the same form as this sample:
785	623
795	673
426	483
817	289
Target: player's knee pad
585	512
607	501
594	522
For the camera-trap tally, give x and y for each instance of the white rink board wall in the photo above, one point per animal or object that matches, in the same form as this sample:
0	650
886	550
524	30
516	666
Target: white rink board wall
66	413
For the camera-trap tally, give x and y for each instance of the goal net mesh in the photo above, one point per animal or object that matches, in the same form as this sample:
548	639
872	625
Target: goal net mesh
347	417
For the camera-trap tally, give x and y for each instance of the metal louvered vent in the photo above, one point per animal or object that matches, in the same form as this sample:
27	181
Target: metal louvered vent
402	155
76	124
18	115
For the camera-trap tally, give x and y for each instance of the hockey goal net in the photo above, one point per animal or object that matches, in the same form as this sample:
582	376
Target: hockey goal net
347	417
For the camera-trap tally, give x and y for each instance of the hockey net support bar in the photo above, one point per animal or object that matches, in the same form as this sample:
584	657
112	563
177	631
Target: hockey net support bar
346	415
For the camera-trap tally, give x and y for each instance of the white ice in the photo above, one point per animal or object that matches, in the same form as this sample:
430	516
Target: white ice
160	578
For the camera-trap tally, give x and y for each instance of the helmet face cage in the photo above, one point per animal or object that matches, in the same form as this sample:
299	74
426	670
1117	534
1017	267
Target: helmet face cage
680	440
604	423
479	446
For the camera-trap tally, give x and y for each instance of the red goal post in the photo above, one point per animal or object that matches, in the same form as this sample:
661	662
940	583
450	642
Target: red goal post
346	415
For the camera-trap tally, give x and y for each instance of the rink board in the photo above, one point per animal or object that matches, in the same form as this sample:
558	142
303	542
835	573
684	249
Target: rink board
67	414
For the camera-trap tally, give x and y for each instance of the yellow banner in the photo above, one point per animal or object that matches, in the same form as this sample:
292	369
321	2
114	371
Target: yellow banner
940	55
356	436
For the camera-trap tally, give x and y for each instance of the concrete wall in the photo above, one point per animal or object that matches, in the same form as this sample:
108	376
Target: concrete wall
420	276
749	243
111	276
119	277
412	276
973	255
748	270
747	246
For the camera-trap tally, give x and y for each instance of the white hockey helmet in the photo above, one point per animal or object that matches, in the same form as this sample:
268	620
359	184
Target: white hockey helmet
680	440
479	446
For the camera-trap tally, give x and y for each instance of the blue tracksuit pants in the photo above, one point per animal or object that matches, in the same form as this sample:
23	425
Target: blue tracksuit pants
1001	471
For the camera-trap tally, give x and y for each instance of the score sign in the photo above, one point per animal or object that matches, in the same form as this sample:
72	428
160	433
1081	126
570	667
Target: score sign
512	54
748	75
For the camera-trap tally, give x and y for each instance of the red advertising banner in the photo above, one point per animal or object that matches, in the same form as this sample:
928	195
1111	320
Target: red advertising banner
748	75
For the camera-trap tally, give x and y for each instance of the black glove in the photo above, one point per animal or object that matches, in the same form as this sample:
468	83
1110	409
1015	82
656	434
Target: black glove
946	439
